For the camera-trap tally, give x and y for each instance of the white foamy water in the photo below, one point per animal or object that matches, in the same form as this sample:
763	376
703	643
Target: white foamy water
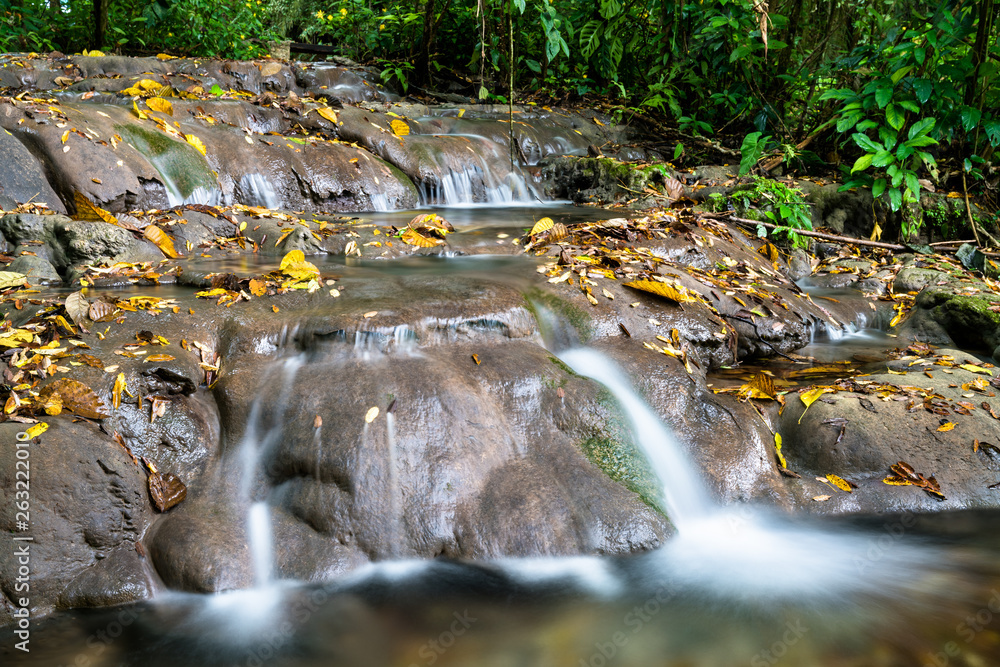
684	495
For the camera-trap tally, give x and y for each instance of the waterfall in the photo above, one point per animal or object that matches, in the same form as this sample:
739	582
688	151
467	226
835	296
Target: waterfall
478	173
255	442
685	498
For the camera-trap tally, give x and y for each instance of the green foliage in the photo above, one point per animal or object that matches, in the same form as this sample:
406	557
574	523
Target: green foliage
196	27
775	202
396	71
751	151
907	100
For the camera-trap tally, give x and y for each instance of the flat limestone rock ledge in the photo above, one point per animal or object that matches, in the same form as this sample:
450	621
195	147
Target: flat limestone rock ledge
881	430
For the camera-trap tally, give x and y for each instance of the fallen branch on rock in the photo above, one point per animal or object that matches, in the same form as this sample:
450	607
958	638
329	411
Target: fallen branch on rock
806	232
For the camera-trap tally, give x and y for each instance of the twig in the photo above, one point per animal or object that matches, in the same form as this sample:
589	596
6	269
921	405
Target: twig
968	211
760	336
806	232
940	243
774	162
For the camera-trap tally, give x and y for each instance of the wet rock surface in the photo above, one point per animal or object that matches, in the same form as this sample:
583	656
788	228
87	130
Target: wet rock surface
264	386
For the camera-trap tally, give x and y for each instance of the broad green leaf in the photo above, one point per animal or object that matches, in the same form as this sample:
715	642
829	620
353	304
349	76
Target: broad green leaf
970	117
920	55
848	121
883	96
993	132
837	94
888	137
900	73
862	163
590	38
883	159
910	106
904	151
923	140
740	52
912	184
866	125
864	142
894	117
895	199
878	188
924	89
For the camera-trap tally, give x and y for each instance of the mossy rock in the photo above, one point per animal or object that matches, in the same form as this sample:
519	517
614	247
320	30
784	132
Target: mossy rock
971	321
611	449
601	179
181	167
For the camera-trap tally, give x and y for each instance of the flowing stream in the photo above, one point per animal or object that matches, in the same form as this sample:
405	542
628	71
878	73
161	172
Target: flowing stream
734	586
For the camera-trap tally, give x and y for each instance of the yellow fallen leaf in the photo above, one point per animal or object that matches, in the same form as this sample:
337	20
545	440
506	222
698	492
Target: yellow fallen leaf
294	265
760	387
161	105
116	391
139	112
10	279
149	85
810	397
777	450
196	142
328	113
157	358
37	430
88	210
53	405
399	128
371	415
16	338
840	483
161	240
975	369
542	225
415	238
947	426
661	289
258	287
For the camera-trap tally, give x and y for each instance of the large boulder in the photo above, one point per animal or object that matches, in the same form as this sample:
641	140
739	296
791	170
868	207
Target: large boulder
893	417
22	176
89	510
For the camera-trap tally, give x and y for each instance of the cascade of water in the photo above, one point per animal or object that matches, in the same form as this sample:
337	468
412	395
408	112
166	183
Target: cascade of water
255	442
395	502
261	542
484	174
257	190
685	498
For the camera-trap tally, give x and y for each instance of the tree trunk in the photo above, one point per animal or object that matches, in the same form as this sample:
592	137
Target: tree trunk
423	68
983	33
100	23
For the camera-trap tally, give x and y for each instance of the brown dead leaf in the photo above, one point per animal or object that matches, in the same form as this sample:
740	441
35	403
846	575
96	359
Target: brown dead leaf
76	397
